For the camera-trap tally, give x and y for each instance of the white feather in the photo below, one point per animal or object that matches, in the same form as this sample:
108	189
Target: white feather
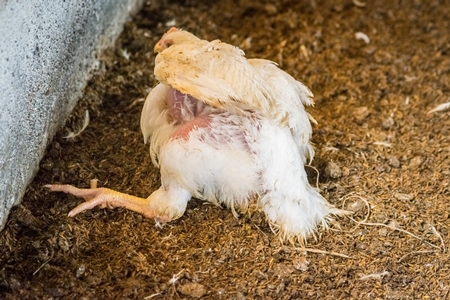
291	204
440	107
214	163
73	134
153	115
291	95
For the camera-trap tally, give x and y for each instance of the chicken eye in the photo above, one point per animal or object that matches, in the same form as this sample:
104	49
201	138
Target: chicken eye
168	44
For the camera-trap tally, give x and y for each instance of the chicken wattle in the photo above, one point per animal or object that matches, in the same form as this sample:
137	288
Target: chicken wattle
228	130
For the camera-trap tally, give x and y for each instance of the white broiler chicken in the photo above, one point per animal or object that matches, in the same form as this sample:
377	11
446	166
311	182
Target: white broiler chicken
224	129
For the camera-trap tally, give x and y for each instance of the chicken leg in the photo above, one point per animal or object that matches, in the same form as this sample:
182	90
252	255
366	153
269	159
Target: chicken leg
164	205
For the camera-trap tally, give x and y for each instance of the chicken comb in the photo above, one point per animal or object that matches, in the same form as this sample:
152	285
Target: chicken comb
173	29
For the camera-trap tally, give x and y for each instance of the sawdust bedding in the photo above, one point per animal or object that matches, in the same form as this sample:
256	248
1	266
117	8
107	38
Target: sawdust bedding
376	68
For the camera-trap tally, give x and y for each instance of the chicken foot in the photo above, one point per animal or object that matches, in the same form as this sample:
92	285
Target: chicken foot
107	197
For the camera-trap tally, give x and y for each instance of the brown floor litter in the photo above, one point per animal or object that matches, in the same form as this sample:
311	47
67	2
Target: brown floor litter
378	152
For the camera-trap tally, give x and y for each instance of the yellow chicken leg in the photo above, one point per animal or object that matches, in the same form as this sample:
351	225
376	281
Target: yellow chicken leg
165	204
107	197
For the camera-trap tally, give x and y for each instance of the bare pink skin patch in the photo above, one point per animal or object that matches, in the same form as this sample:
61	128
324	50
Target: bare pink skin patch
183	131
186	111
191	114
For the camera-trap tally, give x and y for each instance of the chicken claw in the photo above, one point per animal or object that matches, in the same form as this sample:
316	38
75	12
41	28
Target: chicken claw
107	197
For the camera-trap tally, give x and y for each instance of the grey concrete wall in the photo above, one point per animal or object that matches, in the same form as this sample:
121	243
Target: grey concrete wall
47	49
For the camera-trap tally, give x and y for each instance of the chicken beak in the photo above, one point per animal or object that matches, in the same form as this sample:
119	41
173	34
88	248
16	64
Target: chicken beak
158	47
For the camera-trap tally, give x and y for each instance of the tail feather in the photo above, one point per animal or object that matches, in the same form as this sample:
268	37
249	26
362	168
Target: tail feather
298	218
